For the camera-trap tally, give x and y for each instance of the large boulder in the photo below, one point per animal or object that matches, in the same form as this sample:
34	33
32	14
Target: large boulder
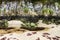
15	23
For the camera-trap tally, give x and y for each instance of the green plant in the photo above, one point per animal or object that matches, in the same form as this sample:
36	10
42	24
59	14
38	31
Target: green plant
33	24
26	10
29	25
3	24
47	11
32	27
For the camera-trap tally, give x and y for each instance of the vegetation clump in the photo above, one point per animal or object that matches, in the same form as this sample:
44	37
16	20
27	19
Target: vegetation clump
32	27
47	12
26	10
3	24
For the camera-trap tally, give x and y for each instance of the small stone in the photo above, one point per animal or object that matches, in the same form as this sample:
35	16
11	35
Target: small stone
49	38
54	38
57	36
29	34
38	38
43	35
46	33
3	38
52	27
34	32
8	39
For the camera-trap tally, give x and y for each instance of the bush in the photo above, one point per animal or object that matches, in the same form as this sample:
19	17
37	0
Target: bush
32	27
3	24
29	26
26	10
47	12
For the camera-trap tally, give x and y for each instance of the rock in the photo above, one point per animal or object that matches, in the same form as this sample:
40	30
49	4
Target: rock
15	23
